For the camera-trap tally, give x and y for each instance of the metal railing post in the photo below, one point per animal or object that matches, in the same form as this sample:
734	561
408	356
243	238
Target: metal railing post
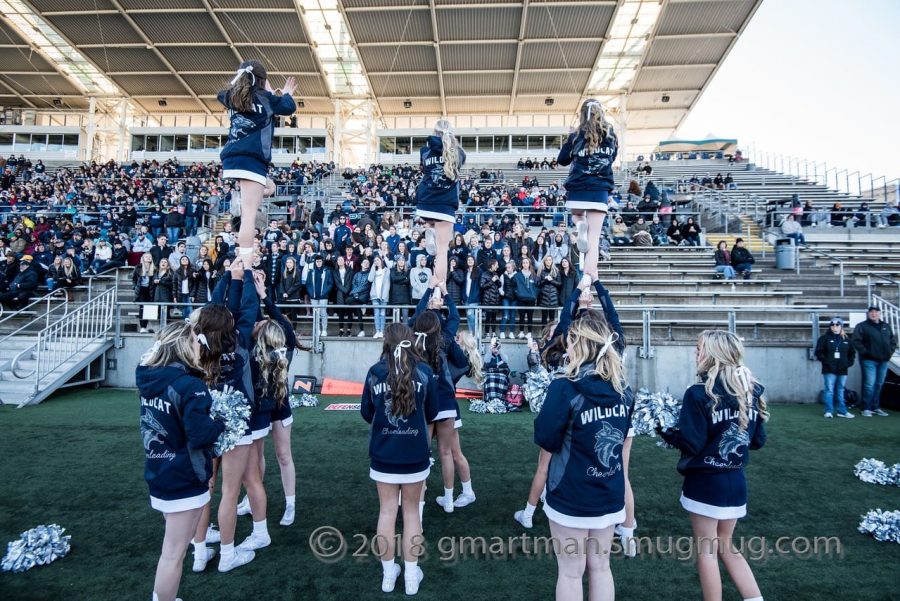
811	351
841	267
732	322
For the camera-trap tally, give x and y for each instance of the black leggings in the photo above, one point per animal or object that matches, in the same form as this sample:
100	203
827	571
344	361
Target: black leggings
491	321
547	315
526	316
144	296
344	318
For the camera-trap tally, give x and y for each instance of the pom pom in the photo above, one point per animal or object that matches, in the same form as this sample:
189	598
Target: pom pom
36	547
233	408
883	525
652	410
304	400
873	471
478	407
496	406
535	388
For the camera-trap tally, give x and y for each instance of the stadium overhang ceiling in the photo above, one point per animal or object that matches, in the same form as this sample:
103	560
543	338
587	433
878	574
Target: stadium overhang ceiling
419	57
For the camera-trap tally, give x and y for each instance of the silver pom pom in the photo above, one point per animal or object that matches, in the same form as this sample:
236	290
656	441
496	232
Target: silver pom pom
496	406
232	407
652	410
535	388
478	407
304	400
873	471
883	525
36	547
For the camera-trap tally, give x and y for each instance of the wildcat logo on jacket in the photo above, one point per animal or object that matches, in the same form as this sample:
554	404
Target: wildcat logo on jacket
393	420
607	441
151	431
732	440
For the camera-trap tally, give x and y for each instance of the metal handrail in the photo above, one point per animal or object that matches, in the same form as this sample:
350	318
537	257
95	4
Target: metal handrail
840	263
889	311
870	287
59	295
68	336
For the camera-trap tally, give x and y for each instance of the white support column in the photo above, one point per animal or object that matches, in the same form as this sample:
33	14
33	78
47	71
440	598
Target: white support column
123	132
91	129
337	134
371	138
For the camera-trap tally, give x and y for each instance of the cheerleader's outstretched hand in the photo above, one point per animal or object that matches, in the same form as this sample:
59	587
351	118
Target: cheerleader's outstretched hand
290	85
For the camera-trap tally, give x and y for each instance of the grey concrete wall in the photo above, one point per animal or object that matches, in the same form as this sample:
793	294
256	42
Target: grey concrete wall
786	372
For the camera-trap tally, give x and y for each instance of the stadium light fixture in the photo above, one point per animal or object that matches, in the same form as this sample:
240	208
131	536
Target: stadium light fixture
548	101
331	42
40	35
162	102
407	104
629	36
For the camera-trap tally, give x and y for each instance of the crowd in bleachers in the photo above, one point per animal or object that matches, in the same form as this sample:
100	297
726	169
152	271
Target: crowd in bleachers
56	227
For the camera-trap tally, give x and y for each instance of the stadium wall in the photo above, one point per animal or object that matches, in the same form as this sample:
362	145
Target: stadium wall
786	372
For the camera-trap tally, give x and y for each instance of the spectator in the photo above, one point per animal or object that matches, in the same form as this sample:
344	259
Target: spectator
23	285
489	291
549	284
174	223
889	215
343	284
144	282
838	215
729	182
142	242
568	277
741	259
69	276
875	342
559	247
862	217
380	281
419	276
182	282
640	233
455	279
836	353
620	232
203	282
723	261
54	274
163	285
526	296
318	286
291	282
690	231
161	251
657	232
470	292
791	228
508	296
359	293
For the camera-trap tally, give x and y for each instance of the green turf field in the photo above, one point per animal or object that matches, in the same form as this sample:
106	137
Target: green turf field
77	460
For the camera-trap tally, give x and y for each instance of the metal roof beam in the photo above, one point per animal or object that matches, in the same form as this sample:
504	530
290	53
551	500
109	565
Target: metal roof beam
606	36
17	94
682	66
520	42
222	31
437	56
664	4
691	36
159	55
362	63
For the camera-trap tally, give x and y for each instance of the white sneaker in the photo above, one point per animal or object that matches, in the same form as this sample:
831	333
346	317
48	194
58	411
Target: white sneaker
412	581
848	415
235	203
628	542
581	240
240	557
143	330
255	541
880	412
430	242
361	334
502	335
446	503
243	508
866	413
463	499
390	579
212	535
288	518
523	519
828	415
521	334
378	335
200	561
585	281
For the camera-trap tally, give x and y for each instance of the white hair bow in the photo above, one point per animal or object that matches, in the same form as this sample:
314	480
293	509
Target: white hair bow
742	374
249	70
398	352
201	338
590	106
152	352
280	351
420	337
612	340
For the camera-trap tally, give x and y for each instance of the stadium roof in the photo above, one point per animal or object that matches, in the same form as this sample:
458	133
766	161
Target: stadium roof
443	56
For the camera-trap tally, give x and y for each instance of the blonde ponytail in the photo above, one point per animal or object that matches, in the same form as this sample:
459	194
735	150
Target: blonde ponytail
451	149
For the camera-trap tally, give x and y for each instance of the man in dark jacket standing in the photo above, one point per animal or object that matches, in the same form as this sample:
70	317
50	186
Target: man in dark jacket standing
837	354
23	285
875	342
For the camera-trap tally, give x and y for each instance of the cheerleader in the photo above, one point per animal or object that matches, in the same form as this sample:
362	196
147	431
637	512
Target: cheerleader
178	436
251	104
437	195
721	421
434	340
399	399
590	150
583	424
225	360
467	361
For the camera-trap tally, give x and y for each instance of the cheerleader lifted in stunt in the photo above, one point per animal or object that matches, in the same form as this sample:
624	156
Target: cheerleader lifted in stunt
251	104
437	195
590	149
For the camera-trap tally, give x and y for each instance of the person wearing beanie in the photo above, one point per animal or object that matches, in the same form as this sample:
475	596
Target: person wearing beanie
22	287
836	353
